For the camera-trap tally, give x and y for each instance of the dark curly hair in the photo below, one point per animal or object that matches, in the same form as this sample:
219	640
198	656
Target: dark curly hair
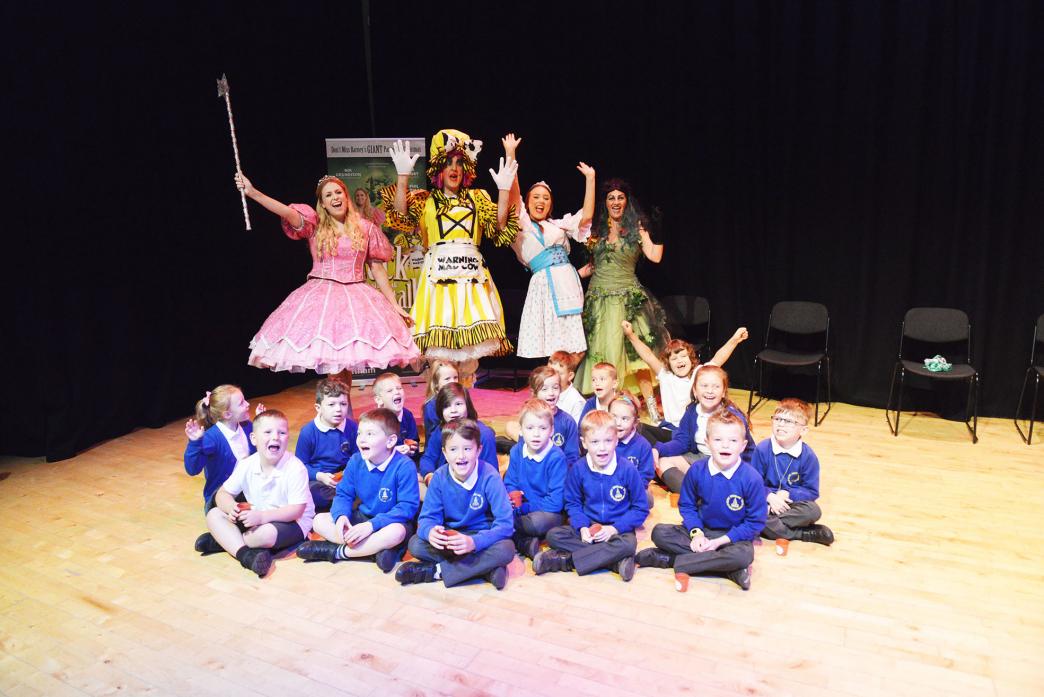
632	215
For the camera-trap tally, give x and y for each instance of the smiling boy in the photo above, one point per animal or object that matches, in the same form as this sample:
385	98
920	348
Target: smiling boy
465	524
326	442
722	507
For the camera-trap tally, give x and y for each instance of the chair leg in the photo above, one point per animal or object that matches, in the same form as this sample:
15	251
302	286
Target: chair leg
830	397
973	402
819	367
1027	438
759	368
819	370
888	405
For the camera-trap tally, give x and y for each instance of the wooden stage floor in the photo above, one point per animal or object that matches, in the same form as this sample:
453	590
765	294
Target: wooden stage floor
935	586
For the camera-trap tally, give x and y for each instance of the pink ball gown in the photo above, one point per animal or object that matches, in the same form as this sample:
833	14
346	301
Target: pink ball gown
335	321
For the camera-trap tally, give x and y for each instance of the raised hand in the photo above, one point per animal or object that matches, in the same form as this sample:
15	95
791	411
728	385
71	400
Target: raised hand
400	155
506	175
628	330
511	143
193	430
586	170
244	185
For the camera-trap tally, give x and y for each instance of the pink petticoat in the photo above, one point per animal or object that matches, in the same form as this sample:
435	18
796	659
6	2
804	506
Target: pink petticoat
328	327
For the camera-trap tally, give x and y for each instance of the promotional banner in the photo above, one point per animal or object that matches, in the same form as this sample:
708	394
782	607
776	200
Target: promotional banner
364	166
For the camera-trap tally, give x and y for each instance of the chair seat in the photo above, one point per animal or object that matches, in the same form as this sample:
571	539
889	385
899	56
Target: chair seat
960	371
793	359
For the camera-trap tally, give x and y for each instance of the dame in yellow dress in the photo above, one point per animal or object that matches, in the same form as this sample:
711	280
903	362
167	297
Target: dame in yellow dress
457	313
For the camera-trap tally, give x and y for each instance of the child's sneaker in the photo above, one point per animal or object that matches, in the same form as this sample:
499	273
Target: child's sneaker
206	544
820	534
625	567
498	577
741	577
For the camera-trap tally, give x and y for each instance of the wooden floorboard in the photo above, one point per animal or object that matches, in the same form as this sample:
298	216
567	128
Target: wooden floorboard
935	586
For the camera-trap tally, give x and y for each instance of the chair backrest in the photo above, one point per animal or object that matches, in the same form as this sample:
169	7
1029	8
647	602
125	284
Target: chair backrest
685	314
799	317
1038	338
938	325
686	309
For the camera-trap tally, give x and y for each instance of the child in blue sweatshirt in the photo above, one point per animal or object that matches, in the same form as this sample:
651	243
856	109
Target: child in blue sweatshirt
535	478
689	443
465	525
388	394
605	498
605	384
440	373
218	436
631	446
722	507
376	503
546	385
453	404
791	473
325	443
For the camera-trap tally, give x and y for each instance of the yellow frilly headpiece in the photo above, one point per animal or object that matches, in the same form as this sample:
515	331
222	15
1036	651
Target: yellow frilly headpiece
447	142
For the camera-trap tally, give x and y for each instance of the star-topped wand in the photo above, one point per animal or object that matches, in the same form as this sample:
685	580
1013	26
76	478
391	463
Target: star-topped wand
222	88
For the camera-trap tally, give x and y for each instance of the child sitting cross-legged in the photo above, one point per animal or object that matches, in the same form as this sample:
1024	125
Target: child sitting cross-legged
630	445
376	503
535	478
722	508
605	499
278	510
465	526
791	473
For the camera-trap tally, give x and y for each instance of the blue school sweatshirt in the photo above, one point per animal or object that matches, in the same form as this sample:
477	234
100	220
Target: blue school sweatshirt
213	456
684	439
326	451
408	427
638	452
434	459
541	478
616	499
431	419
566	437
735	505
797	475
385	497
483	512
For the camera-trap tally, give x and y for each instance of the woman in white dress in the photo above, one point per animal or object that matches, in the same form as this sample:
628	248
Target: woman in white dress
551	318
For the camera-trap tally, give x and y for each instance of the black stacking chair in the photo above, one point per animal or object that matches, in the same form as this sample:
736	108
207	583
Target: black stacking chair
688	317
935	328
1035	371
792	341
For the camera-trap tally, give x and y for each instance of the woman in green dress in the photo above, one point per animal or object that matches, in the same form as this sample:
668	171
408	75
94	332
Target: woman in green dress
619	239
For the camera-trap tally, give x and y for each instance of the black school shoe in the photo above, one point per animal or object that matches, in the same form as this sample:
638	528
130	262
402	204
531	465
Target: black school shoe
625	567
498	577
415	572
528	547
387	559
206	544
741	577
318	550
552	560
255	559
820	534
655	557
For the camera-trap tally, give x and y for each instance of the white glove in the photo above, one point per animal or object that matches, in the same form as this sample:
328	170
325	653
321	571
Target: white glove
400	155
506	175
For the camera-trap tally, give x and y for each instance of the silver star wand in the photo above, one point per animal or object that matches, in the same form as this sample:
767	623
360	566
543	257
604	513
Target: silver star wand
222	88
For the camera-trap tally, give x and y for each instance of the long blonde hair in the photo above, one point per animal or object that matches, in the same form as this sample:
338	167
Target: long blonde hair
326	232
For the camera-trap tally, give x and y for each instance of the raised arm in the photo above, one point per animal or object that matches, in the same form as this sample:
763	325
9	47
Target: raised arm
504	178
400	155
643	351
284	211
725	352
587	213
511	143
652	251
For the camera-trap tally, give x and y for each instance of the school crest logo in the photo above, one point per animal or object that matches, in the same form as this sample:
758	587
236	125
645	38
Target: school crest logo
734	502
793	478
618	493
384	495
476	502
633	460
558	440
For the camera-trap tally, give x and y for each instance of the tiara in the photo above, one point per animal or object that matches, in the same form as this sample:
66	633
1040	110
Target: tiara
326	179
540	183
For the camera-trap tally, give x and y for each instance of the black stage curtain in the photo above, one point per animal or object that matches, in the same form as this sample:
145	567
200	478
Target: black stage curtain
872	156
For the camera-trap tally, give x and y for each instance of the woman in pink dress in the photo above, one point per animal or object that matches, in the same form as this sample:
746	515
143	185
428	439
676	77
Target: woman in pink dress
335	322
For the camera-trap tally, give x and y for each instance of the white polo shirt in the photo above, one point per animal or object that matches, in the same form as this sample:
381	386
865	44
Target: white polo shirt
285	485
